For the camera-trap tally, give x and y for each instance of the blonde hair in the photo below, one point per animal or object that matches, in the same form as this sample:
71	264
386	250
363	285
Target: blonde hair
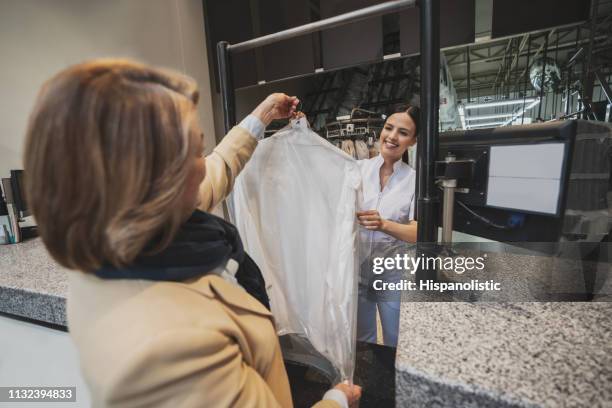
105	161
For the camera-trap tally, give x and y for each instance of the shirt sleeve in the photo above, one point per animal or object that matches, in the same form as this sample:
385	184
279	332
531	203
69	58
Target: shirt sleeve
254	126
337	396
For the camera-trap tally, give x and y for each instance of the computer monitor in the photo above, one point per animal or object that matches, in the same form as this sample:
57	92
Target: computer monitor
19	193
532	183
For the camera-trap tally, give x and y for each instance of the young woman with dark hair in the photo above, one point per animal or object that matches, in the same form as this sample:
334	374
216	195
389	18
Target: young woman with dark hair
387	217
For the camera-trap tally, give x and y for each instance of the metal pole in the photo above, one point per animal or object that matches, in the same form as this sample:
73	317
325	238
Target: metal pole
428	146
448	205
587	74
350	17
226	85
578	54
555	95
468	74
527	77
568	90
543	77
228	99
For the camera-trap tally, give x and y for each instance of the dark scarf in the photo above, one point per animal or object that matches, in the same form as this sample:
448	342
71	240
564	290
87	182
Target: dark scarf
202	243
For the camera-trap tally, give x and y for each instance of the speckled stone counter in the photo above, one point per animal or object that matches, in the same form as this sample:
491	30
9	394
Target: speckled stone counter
510	349
483	354
504	355
32	285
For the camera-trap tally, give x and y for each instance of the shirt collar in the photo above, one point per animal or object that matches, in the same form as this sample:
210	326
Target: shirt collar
380	161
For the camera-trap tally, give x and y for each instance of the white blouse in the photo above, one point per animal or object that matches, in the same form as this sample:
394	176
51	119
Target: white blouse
395	202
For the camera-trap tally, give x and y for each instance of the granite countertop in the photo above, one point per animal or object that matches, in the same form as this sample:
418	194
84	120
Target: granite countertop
510	349
32	284
459	354
505	355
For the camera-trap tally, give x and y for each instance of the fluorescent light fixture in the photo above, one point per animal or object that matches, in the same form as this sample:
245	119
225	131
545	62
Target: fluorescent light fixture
521	111
496	116
499	103
488	124
392	56
462	116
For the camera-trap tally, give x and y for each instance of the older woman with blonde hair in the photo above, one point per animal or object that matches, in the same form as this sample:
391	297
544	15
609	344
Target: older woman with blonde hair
160	304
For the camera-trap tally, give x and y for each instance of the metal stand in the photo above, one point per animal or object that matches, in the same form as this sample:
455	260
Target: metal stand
427	207
226	85
427	200
448	205
13	212
430	62
453	175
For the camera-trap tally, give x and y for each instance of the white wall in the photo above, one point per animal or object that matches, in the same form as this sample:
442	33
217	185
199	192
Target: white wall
40	37
32	355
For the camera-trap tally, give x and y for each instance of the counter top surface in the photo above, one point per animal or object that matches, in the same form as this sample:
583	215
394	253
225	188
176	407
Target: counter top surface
32	284
483	354
520	353
505	354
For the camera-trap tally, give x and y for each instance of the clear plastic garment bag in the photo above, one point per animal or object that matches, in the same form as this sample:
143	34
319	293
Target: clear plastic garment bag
294	206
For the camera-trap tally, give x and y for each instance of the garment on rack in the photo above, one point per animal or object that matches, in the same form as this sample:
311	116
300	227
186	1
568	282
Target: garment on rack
348	147
374	149
361	150
295	205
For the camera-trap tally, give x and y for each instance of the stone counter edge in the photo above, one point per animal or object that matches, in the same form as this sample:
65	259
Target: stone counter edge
429	391
41	307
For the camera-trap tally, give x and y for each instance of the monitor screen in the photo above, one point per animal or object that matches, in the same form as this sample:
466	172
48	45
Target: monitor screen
526	177
518	192
19	192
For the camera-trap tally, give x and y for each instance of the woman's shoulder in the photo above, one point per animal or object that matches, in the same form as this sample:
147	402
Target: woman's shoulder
405	167
209	302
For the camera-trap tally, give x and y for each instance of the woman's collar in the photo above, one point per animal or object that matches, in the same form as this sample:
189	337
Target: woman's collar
381	160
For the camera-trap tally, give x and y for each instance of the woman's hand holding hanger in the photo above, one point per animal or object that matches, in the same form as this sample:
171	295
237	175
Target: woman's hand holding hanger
276	106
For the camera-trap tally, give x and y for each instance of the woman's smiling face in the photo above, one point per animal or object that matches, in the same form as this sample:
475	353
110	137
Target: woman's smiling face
398	134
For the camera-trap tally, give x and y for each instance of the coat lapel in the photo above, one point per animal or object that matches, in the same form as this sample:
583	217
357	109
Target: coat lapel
214	286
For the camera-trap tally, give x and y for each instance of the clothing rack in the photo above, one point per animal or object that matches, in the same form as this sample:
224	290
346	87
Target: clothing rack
427	200
353	137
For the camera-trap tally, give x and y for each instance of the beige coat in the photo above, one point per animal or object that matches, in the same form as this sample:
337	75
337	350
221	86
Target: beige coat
204	343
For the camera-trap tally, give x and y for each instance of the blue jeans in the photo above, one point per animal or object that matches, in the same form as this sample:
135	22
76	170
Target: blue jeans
366	320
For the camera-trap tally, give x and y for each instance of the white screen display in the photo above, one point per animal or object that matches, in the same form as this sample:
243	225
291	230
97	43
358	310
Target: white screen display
526	177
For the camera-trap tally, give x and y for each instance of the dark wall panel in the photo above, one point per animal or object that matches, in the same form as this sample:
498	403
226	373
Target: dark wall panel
230	20
519	16
354	43
291	57
456	25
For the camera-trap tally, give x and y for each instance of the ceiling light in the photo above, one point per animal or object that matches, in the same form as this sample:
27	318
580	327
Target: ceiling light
499	115
499	103
488	124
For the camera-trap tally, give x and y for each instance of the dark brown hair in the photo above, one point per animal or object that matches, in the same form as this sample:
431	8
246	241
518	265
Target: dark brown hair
415	114
105	160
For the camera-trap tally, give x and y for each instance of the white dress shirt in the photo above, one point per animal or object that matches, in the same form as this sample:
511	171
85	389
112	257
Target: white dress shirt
395	202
